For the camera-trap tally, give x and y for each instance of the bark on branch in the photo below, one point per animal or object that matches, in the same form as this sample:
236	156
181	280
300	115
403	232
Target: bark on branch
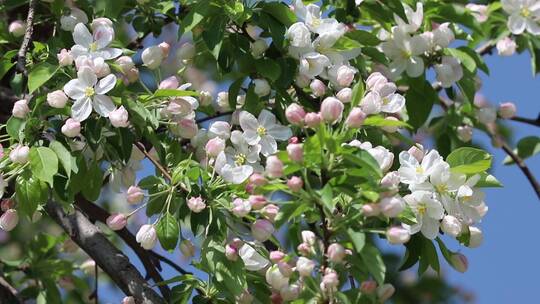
21	55
107	256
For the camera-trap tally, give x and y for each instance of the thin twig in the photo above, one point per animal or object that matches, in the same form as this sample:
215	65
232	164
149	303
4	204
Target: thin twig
532	122
156	163
169	262
21	55
205	119
521	164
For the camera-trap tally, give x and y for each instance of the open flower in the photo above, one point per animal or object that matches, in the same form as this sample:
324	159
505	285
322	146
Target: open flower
96	45
414	18
88	93
263	131
428	212
524	15
237	163
404	50
414	172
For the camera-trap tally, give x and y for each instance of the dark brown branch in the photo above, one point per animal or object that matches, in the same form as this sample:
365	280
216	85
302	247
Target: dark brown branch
521	164
169	262
96	213
111	260
21	55
533	122
156	163
8	293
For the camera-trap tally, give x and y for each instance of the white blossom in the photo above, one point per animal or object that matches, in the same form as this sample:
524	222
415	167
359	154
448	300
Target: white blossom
93	46
428	212
524	15
238	162
264	131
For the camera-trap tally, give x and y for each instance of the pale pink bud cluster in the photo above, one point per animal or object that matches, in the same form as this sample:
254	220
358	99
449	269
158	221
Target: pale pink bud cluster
241	207
392	206
330	281
451	225
262	230
147	236
318	87
274	166
295	114
344	95
507	110
356	118
257	201
305	266
196	204
57	99
71	128
295	152
312	120
397	235
9	220
369	210
295	183
17	28
19	154
231	249
336	253
20	108
506	46
459	262
331	110
215	146
345	75
134	195
119	117
130	72
169	83
270	212
117	221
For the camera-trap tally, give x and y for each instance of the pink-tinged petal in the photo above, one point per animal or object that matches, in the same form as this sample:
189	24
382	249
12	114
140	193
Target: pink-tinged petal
103	35
82	36
267	119
280	132
81	109
79	50
106	84
87	77
74	89
516	24
393	103
103	105
109	53
248	121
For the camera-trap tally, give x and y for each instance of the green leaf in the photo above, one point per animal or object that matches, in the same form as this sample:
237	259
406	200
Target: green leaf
5	66
281	12
469	160
63	155
357	93
364	37
268	68
373	260
174	92
358	239
345	44
39	75
429	253
466	60
526	147
43	163
168	231
379	121
420	99
29	193
15	128
327	197
487	181
93	182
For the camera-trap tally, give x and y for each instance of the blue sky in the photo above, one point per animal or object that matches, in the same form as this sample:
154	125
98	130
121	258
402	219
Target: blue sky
504	269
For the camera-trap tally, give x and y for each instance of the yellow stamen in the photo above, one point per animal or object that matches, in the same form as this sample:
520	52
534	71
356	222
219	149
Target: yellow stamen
261	131
93	47
89	92
240	159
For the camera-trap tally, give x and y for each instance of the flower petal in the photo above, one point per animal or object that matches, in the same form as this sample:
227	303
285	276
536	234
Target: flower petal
415	66
394	103
82	36
106	84
248	121
103	36
251	137
280	132
430	228
79	50
109	53
87	77
268	145
74	89
103	105
81	108
516	24
267	119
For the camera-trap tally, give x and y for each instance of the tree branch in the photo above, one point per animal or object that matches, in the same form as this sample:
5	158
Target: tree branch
106	255
21	55
521	164
7	292
532	122
156	163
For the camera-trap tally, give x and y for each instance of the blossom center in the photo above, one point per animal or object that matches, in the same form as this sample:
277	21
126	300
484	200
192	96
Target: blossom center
422	208
240	159
93	47
419	170
385	101
89	92
525	12
406	54
442	188
261	131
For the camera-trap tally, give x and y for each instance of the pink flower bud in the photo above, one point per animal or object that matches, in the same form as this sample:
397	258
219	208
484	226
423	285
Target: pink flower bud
376	81
356	118
397	235
308	237
295	152
257	201
507	110
385	292
71	128
318	87
241	207
17	28
165	47
147	236
134	195
390	180
451	225
132	75
417	152
275	279
125	63
64	58
152	57
369	210
119	117
215	146
20	108
295	183
274	166
258	179
187	128
368	287
116	221
262	230
330	281
344	95
196	204
285	269
392	206
187	249
459	262
295	114
390	129
231	253
331	109
19	154
128	300
7	204
305	266
313	120
464	133
336	253
169	83
290	292
345	75
57	99
9	220
304	249
506	47
276	256
293	140
270	211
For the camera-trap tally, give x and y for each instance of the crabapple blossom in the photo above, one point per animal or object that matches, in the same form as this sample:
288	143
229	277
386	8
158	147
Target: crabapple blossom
299	35
449	71
476	237
523	17
238	162
274	166
275	278
147	236
57	99
19	154
312	120
241	207
96	45
270	212
152	57
305	266
414	18
20	108
169	83
65	58
263	130
336	253
459	262
116	221
392	206
9	220
71	128
370	210
479	11
262	230
119	117
356	118
134	195
295	183
397	235
331	109
404	50
17	28
215	146
368	287
312	64
257	201
344	95
507	110
295	152
428	212
451	225
317	87
75	16
295	114
506	46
